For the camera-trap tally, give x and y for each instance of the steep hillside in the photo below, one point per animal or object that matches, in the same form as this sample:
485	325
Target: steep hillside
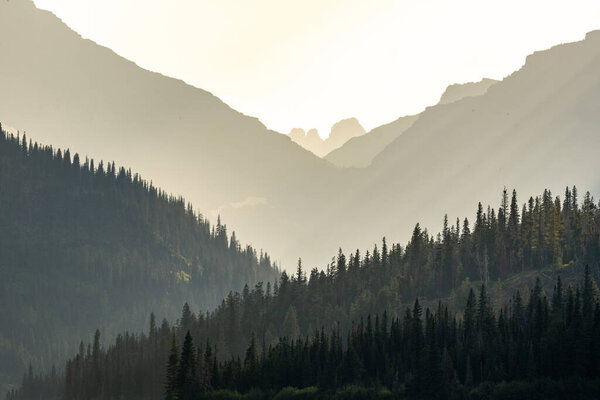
310	140
536	128
84	244
461	90
527	267
359	151
68	91
343	131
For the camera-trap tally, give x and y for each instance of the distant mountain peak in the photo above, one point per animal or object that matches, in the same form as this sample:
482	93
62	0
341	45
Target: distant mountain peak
314	133
341	132
359	151
22	3
593	35
297	134
459	91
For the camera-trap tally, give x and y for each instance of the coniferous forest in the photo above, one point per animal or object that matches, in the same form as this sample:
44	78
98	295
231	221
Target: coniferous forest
351	330
85	245
122	278
545	347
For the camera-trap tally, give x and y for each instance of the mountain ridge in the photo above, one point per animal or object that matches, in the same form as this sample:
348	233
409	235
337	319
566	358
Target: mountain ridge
534	129
459	91
68	91
341	132
278	195
86	244
202	117
359	152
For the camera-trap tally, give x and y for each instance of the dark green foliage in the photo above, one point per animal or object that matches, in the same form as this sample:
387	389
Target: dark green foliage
187	383
103	232
424	355
84	245
171	380
353	286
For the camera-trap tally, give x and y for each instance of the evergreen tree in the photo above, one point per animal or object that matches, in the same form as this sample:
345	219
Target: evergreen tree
171	383
186	374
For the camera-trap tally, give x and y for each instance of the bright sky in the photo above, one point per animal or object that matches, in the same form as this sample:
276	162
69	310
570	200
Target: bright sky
311	63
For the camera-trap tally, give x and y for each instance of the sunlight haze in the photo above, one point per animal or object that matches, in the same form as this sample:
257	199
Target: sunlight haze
310	64
299	200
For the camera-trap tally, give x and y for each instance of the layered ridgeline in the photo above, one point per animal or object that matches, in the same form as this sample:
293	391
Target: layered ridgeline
360	151
73	93
340	134
504	250
84	245
535	129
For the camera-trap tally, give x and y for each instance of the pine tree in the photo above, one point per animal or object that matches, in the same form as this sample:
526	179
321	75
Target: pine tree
290	324
171	384
251	359
186	374
589	298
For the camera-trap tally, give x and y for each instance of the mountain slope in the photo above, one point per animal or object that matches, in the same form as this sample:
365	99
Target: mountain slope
461	90
310	140
68	91
84	246
360	151
382	284
341	132
536	128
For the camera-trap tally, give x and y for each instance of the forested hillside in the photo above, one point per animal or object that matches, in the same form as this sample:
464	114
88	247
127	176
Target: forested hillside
545	347
535	129
546	237
84	245
71	92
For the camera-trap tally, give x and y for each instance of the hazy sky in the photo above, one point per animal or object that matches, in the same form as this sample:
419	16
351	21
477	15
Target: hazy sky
310	63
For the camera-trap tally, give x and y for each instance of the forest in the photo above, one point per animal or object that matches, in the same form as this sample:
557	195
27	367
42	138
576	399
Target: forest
121	277
545	347
85	245
330	333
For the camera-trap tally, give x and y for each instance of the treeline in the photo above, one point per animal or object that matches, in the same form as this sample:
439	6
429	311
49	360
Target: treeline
547	343
431	354
431	267
86	245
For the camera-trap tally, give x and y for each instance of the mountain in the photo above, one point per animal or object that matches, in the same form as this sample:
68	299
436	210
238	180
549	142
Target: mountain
360	151
534	268
310	140
73	93
341	132
86	245
459	91
536	128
